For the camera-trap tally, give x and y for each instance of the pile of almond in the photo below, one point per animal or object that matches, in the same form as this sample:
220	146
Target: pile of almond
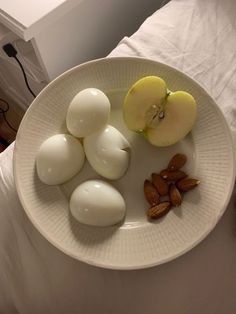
166	188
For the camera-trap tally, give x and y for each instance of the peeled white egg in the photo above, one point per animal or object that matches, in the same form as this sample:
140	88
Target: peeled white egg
59	158
106	152
88	112
97	203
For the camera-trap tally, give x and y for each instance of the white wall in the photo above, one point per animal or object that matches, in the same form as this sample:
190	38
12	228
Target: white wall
90	31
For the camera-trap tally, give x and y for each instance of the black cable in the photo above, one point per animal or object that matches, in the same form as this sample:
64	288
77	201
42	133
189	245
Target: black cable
4	142
11	52
4	111
24	74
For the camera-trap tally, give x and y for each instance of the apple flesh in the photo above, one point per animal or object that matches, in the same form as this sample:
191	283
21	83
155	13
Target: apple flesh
142	102
180	113
164	117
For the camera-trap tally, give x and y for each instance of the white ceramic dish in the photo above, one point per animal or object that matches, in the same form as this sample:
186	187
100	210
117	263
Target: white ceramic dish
136	243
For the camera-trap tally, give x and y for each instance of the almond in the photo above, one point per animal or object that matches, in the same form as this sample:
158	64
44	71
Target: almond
160	184
175	196
173	175
151	193
159	210
185	185
177	162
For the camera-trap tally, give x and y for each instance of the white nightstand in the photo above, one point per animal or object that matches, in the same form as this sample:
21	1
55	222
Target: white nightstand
53	36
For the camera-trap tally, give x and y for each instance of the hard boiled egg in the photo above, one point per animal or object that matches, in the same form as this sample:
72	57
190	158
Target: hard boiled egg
97	203
88	112
106	152
59	158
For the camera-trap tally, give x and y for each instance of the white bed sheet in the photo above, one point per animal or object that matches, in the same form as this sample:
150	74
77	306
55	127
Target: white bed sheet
199	38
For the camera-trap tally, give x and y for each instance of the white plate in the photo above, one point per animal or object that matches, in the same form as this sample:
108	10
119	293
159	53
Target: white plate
137	243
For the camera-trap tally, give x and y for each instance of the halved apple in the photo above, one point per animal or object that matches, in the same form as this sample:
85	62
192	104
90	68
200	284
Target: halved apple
162	116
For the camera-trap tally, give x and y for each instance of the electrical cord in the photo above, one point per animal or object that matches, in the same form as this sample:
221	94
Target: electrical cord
34	71
24	74
3	111
11	52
